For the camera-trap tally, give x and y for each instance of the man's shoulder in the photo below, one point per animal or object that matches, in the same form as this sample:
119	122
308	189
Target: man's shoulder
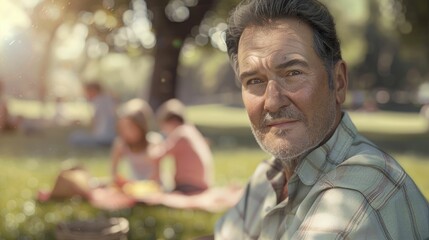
374	174
384	186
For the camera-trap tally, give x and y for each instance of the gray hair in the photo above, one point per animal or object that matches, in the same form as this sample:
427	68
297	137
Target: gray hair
261	12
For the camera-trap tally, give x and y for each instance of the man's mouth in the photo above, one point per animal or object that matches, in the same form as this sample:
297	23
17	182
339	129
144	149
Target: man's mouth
281	123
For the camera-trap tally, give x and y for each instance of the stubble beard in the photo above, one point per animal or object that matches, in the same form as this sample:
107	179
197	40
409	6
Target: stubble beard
313	137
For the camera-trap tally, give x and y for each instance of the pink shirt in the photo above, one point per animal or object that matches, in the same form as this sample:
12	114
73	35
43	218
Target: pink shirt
192	156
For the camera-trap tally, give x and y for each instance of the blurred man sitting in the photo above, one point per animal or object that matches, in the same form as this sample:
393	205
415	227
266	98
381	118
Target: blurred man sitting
103	122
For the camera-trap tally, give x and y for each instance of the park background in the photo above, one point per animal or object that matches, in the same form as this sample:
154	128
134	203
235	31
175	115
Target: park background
158	49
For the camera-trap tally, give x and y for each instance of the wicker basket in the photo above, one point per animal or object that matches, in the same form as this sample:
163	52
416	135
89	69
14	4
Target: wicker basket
100	229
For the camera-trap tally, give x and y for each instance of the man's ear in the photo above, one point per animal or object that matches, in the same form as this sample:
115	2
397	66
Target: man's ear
341	80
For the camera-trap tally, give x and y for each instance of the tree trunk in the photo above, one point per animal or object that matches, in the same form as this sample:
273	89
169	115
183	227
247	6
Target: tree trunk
170	38
164	75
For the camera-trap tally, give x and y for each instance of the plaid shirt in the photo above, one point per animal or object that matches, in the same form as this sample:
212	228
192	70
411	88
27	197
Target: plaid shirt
344	189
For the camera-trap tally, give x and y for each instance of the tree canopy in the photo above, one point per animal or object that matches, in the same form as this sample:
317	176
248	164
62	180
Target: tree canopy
382	40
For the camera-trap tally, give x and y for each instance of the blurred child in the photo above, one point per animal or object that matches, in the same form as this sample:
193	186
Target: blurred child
132	142
191	153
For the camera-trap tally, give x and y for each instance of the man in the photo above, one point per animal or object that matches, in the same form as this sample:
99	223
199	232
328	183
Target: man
325	180
103	122
191	153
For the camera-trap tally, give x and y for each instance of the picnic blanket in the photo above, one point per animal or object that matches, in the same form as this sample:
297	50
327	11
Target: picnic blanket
215	199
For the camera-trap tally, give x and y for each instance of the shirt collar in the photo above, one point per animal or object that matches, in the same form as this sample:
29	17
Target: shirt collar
327	156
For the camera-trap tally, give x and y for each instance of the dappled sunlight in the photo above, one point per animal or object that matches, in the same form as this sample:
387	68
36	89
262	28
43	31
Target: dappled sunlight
72	41
13	19
341	204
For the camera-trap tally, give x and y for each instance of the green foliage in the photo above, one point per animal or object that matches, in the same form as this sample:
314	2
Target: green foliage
414	27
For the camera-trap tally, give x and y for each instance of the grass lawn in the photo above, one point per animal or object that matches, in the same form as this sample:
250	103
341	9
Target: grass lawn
24	218
31	162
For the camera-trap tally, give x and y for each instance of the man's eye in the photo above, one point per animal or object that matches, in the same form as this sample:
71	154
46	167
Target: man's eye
294	73
253	82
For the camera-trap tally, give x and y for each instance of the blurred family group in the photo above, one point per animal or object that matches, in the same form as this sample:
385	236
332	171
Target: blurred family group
128	129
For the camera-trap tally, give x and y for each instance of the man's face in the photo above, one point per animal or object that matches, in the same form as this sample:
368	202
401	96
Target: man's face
285	88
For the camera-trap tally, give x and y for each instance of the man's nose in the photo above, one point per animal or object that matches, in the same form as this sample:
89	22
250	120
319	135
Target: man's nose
275	97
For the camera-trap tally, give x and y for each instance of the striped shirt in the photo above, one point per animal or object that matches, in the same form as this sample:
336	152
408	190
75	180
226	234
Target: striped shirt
345	189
